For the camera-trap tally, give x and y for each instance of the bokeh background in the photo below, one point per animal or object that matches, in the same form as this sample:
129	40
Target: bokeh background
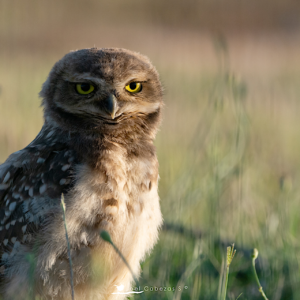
229	145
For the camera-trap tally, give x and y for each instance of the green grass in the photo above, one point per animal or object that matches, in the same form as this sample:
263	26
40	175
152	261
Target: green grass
229	167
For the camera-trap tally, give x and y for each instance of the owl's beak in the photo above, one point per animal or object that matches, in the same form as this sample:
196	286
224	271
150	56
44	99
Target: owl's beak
111	105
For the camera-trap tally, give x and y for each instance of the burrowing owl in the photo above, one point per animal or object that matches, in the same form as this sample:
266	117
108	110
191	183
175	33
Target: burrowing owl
102	109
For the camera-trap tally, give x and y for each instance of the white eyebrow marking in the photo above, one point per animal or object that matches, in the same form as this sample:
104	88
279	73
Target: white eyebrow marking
79	77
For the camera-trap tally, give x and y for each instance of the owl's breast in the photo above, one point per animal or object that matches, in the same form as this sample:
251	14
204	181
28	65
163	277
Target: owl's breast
120	196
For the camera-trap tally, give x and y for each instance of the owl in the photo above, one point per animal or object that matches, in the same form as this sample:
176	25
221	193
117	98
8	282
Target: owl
102	110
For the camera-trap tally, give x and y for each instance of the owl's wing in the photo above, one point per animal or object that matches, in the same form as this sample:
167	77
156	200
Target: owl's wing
31	183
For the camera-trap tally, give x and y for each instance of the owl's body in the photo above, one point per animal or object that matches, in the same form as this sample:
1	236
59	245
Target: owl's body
97	149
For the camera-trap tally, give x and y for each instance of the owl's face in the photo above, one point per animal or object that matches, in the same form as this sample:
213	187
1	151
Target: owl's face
90	88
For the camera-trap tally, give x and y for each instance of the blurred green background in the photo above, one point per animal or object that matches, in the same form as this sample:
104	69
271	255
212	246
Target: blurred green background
229	145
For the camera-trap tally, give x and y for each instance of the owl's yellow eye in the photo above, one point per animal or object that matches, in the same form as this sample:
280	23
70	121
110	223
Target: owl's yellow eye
134	87
84	88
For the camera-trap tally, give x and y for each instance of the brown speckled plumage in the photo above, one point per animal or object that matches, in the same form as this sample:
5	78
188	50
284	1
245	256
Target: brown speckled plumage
106	167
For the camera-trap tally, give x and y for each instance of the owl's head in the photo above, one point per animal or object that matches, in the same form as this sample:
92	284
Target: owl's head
103	90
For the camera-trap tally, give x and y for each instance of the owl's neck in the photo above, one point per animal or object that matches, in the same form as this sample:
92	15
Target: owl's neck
134	135
143	126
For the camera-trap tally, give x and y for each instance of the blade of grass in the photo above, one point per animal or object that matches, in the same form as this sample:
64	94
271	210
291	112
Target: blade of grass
106	237
230	254
260	289
63	206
